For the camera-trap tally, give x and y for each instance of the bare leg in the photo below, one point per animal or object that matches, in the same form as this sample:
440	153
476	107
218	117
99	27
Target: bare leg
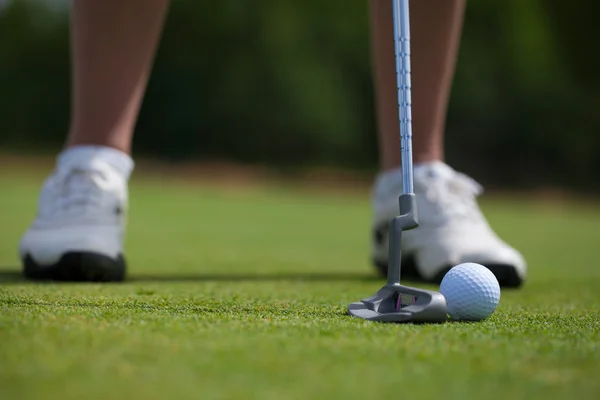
435	36
114	42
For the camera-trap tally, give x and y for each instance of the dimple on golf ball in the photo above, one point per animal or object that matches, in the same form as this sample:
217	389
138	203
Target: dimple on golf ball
472	292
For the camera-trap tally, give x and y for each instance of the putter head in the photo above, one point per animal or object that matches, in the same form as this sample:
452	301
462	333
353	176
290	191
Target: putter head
398	303
395	302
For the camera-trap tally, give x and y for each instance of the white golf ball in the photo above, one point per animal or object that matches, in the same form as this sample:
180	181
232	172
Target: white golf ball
472	292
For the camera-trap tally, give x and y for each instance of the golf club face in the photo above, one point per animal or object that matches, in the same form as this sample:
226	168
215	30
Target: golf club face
398	303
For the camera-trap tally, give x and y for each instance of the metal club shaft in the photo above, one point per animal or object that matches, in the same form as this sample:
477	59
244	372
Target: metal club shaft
403	73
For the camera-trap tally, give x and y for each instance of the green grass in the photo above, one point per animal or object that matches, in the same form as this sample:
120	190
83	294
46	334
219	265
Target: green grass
241	294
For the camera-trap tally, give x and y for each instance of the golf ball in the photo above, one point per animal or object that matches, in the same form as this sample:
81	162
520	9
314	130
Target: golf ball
472	292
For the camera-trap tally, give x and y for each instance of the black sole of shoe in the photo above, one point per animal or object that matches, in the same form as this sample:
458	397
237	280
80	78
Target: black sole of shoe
77	267
506	274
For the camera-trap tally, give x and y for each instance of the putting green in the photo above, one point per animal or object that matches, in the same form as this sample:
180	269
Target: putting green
241	294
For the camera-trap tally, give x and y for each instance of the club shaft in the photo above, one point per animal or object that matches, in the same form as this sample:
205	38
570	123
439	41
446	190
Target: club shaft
403	81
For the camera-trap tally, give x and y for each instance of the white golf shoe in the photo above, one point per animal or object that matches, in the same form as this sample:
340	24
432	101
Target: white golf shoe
78	232
452	229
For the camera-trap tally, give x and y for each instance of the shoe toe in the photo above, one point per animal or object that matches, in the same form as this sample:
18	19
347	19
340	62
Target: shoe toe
73	254
77	267
507	264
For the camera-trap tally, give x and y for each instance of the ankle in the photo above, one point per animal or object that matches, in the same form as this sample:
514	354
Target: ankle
91	155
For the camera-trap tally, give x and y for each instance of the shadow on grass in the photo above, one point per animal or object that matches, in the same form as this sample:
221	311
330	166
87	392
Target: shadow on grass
13	275
10	275
258	277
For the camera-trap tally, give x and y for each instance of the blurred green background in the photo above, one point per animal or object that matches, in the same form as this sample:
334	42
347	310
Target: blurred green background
288	85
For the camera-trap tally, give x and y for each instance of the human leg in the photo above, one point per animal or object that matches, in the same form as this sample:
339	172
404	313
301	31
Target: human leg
79	229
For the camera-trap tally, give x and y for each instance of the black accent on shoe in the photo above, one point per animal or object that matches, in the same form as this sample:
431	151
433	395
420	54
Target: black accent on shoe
409	269
506	274
77	267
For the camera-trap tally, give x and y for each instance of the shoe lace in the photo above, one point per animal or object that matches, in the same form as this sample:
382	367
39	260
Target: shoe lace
79	191
454	196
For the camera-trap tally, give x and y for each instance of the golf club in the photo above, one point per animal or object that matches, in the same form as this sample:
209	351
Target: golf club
395	302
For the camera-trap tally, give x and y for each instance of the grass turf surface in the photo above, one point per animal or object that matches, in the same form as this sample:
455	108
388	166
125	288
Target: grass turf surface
242	294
